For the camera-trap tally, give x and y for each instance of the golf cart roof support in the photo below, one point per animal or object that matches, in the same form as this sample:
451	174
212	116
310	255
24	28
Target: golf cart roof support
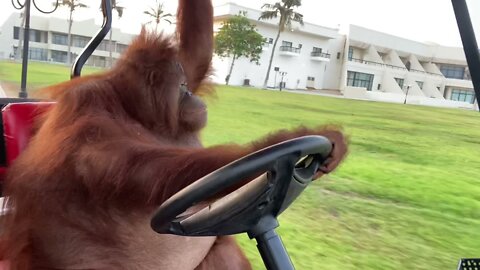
470	45
95	41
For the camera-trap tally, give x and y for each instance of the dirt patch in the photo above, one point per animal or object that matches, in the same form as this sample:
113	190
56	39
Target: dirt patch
11	89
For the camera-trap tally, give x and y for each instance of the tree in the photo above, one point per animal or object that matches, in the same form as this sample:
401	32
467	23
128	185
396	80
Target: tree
72	5
158	14
119	10
238	38
286	11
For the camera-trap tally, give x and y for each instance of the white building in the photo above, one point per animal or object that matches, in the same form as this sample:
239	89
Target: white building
48	40
362	64
383	67
308	54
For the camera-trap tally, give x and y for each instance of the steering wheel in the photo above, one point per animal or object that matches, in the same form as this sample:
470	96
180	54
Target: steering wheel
285	170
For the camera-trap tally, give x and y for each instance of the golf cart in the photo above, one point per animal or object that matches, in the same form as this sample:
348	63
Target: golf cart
285	169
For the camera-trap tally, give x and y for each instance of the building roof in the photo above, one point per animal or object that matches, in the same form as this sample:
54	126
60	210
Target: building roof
363	37
230	9
80	27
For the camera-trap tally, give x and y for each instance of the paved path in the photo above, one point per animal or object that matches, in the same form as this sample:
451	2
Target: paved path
311	92
315	93
2	93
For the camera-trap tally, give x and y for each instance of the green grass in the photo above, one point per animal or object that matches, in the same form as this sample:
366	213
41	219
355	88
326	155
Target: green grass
407	197
39	74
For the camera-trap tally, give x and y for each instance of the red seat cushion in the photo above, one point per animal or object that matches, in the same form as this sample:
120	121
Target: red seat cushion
18	119
3	174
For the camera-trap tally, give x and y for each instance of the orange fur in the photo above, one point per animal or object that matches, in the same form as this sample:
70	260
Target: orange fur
112	149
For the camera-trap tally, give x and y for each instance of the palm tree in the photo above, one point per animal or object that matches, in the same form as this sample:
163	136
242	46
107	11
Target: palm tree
119	10
158	14
72	5
284	10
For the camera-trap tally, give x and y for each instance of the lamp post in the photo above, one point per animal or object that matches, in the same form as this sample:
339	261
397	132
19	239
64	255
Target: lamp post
406	94
277	69
26	38
283	74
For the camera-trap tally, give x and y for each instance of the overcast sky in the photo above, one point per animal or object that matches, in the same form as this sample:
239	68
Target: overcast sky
421	20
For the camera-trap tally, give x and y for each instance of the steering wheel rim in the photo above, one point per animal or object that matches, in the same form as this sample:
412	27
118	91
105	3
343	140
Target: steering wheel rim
235	172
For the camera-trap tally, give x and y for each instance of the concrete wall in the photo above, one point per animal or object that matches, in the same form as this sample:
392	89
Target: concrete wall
86	28
333	73
6	36
363	94
424	60
298	66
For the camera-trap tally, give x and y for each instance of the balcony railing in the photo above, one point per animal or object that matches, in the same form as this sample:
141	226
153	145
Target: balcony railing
396	67
374	63
425	72
290	49
356	60
417	71
320	54
435	74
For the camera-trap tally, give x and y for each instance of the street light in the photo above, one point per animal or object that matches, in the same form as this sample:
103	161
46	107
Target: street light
406	94
277	69
283	74
26	37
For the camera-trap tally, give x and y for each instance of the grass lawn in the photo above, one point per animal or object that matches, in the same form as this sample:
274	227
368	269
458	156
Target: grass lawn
39	74
408	196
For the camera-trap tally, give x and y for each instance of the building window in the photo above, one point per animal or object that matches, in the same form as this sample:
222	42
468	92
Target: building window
101	61
350	53
59	39
300	45
453	72
463	95
339	55
420	84
37	54
121	47
35	35
311	79
79	41
318	52
16	32
287	44
270	41
400	82
97	61
59	56
468	76
105	45
358	79
408	65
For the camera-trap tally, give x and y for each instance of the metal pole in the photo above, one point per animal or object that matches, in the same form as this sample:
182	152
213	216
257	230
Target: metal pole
281	81
26	38
406	95
95	41
275	82
274	254
470	45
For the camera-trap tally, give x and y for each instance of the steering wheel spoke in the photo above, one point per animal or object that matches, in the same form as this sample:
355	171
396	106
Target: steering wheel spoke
285	171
